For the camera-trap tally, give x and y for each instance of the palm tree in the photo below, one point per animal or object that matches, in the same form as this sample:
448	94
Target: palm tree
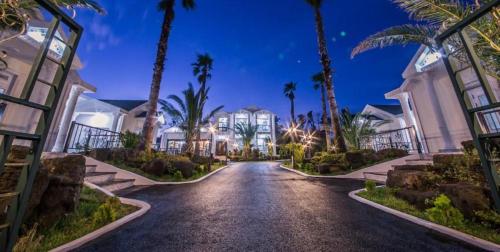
319	83
167	6
14	15
202	70
437	15
247	132
327	73
289	92
187	112
356	127
311	125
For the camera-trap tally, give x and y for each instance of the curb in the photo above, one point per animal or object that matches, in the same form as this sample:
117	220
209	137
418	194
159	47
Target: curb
189	182
144	207
487	245
307	175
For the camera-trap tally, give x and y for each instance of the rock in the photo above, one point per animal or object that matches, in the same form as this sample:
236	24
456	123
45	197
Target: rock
18	152
417	198
411	167
63	192
407	179
101	154
40	186
156	167
324	168
467	198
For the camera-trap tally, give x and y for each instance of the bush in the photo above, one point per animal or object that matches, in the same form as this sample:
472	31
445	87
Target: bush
391	154
370	186
201	160
157	167
177	175
107	212
489	218
185	166
255	154
444	213
326	158
460	168
356	159
130	140
307	167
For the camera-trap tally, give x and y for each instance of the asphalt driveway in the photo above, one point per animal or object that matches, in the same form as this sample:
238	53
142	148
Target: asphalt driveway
260	207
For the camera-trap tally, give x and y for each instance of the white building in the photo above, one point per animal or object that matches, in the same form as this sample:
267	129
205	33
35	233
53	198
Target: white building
430	104
385	117
224	139
106	119
19	54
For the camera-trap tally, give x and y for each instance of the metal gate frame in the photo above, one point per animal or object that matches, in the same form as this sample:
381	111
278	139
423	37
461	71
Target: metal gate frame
16	202
481	139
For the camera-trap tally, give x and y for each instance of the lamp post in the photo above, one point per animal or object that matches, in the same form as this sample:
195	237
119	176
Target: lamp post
212	131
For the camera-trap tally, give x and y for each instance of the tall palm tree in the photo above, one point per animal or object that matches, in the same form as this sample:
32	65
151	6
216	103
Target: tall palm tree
435	16
186	112
247	132
319	83
311	125
327	73
167	7
289	92
202	70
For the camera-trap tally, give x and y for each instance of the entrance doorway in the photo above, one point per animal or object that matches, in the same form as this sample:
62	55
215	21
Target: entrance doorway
221	148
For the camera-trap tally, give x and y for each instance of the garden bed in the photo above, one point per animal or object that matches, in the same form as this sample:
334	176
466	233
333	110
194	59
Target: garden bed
442	207
94	211
166	177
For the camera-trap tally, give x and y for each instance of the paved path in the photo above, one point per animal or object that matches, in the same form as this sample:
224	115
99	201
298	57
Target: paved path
260	207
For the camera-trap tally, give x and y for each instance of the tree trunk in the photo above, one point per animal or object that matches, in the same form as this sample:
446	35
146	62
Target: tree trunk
159	66
200	119
292	111
327	71
326	127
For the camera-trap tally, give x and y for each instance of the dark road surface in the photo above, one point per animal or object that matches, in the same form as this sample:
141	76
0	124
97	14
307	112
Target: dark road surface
260	207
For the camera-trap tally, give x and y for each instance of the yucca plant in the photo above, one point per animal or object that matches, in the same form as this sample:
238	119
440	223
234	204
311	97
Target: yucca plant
435	16
356	127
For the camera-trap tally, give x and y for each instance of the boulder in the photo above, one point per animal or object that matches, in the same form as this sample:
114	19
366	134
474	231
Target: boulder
407	179
101	154
467	198
156	167
417	198
63	191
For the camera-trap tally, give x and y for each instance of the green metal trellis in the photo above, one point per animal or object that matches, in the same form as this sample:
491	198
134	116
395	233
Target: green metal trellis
14	203
459	55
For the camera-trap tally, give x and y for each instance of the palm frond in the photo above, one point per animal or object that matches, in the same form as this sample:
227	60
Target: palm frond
189	4
88	4
178	101
436	11
398	35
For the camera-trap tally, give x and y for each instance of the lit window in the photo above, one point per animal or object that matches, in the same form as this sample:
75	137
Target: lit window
241	118
223	124
263	123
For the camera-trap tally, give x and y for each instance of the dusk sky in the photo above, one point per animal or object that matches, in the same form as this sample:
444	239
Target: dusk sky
257	46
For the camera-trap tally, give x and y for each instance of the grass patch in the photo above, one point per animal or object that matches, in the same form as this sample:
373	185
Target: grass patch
385	196
313	172
166	177
73	226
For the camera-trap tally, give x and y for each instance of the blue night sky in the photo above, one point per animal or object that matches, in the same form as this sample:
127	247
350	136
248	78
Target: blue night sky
257	46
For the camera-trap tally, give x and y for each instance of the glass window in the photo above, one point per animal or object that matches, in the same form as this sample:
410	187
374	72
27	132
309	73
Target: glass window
264	122
223	124
241	118
262	142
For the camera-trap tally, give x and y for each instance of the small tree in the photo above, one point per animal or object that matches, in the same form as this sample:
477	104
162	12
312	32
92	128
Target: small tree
247	133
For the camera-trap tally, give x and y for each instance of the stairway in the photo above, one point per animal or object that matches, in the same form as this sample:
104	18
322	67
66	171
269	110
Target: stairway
381	176
106	180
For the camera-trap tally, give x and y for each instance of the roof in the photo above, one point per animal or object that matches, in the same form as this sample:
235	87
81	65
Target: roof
252	109
125	104
392	109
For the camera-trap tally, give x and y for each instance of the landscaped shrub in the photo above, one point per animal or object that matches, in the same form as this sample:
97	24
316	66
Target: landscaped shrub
329	159
370	186
107	212
185	166
255	154
391	154
307	167
157	167
130	140
356	159
489	218
460	168
177	175
444	213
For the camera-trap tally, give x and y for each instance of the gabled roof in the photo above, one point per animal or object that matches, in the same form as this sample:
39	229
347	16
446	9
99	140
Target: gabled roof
125	104
392	109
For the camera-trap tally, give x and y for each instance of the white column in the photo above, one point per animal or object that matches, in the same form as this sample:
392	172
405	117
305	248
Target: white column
62	133
273	133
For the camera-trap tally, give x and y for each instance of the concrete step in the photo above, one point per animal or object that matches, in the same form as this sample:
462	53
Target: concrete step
99	177
117	184
90	168
419	162
380	177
